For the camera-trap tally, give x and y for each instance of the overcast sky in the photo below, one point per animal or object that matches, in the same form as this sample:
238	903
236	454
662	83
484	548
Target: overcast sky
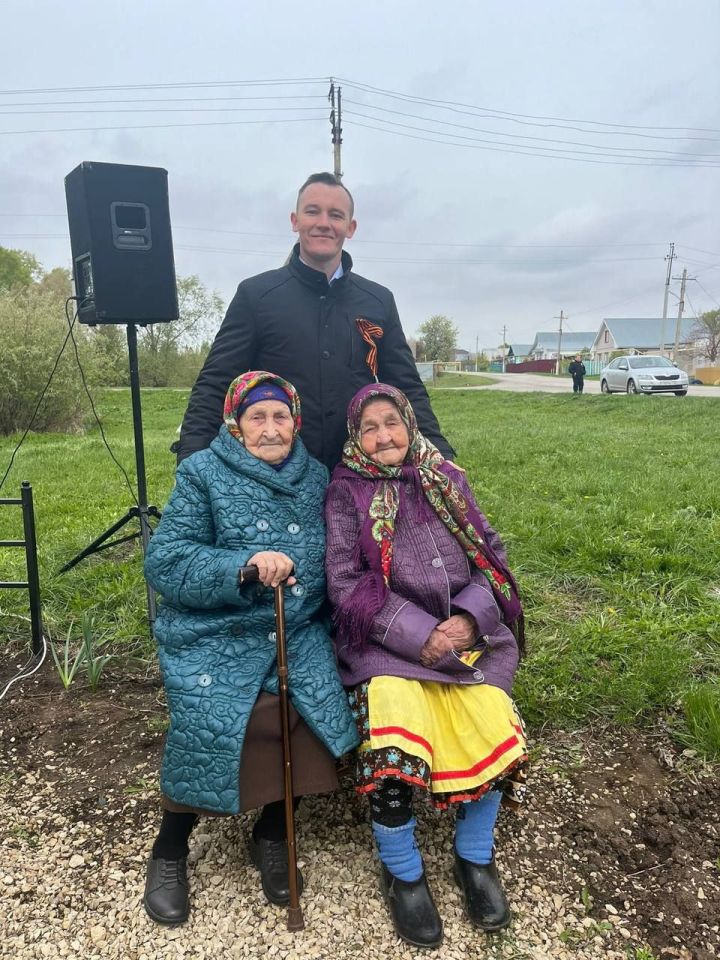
495	229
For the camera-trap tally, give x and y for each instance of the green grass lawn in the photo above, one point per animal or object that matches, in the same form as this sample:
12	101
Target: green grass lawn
610	509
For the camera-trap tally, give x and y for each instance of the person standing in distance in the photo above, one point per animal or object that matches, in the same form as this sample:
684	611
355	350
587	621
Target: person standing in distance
317	324
577	372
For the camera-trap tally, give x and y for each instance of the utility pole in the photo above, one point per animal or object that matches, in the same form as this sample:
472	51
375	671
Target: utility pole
559	349
477	347
681	307
335	98
504	347
669	257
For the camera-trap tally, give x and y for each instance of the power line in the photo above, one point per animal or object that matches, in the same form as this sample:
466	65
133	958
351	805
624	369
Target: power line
538	245
552	150
432	260
710	253
565	123
436	261
204	84
687	297
158	110
615	303
526	153
701	263
164	126
707	294
518	117
519	136
53	103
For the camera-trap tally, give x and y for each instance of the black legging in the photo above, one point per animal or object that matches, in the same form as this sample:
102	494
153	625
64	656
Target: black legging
175	829
391	802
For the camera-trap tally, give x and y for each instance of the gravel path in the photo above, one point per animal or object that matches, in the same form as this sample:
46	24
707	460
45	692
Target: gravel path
77	894
76	831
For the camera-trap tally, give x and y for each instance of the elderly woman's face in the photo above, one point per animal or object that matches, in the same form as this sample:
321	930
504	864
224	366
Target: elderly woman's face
267	430
383	435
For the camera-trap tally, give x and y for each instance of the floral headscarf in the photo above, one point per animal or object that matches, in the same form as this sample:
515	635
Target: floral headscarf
242	385
425	467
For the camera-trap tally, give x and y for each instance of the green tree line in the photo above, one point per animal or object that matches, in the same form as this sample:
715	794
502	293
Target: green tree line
33	326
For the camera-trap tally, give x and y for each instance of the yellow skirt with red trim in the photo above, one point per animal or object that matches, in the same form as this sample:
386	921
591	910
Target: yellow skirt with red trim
456	741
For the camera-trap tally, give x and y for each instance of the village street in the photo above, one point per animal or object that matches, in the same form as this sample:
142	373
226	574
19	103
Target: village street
529	382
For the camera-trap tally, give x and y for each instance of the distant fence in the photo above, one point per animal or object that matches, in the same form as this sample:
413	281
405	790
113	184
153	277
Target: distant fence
426	371
430	370
531	366
592	367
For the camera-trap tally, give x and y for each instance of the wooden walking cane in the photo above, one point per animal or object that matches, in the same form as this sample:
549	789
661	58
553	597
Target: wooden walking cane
295	919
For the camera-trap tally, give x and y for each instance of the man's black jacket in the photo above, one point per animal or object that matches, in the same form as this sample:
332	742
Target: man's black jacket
292	322
576	369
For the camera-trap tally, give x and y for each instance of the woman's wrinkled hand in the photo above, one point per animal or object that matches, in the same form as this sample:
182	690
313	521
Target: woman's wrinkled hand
435	647
273	568
461	629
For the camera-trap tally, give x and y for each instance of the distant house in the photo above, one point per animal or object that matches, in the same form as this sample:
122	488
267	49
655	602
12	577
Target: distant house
639	335
545	345
517	352
461	355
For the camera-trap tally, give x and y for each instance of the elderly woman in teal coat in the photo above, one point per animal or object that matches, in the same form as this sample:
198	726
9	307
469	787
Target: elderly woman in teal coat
254	497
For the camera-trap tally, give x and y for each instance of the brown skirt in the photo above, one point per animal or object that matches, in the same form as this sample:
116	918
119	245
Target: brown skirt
261	764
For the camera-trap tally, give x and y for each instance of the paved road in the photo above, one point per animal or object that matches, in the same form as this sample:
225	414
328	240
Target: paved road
528	382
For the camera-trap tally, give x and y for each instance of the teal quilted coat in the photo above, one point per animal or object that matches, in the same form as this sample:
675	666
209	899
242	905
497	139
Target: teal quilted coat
216	639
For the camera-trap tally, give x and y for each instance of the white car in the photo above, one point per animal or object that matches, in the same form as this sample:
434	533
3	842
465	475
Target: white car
643	374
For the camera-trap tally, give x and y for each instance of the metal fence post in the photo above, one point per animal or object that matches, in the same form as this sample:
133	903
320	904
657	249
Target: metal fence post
32	584
33	573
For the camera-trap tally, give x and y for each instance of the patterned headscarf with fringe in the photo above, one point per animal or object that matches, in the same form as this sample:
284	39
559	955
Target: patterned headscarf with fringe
425	468
242	385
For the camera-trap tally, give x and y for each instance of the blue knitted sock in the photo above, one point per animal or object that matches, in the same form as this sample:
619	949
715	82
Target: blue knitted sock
474	825
398	851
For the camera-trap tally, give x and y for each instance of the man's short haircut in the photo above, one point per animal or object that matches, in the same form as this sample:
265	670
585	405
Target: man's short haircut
330	180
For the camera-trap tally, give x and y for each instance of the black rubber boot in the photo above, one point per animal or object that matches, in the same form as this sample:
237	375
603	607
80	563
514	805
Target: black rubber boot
412	910
166	891
485	902
271	859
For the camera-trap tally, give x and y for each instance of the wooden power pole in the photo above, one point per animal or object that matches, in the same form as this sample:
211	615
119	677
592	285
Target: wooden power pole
335	98
559	350
670	257
681	310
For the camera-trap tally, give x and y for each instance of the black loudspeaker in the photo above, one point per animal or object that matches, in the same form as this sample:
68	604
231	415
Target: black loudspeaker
121	241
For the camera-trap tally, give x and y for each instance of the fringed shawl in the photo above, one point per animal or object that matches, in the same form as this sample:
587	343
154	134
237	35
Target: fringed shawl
378	492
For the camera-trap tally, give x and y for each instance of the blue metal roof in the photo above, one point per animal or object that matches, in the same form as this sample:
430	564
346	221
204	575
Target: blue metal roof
641	332
570	341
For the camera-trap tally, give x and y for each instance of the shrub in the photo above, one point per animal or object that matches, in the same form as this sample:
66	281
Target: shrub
32	329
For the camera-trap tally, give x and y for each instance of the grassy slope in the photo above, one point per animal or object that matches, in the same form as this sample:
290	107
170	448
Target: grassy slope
610	508
611	511
78	493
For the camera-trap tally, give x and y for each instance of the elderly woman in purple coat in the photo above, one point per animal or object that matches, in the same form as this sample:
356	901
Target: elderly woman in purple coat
429	625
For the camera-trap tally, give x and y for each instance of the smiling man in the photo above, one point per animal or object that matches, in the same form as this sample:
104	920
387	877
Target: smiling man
317	324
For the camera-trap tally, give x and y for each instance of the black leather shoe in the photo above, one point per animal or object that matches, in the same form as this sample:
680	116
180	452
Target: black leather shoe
412	910
271	859
485	902
166	891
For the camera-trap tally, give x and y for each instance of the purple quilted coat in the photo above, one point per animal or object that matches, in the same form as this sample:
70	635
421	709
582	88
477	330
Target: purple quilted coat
431	578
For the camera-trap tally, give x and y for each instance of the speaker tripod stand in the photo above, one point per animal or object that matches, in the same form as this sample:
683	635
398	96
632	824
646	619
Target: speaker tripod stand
142	511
